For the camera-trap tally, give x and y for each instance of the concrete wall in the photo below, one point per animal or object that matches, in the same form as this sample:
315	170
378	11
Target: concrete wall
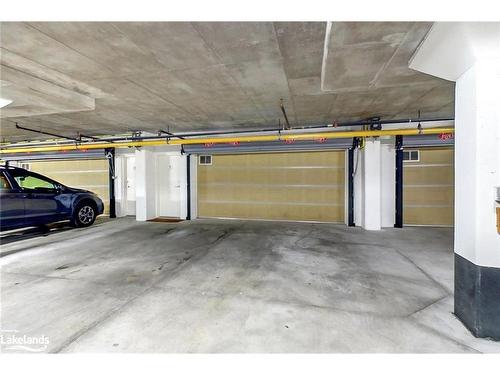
374	183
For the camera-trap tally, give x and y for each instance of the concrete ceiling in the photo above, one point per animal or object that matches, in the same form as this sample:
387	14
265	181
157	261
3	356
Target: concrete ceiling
110	78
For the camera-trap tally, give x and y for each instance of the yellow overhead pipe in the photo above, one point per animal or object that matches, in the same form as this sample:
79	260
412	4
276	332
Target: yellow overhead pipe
238	139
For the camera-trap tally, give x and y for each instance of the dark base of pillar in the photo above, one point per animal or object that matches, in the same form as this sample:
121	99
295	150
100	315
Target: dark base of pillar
477	298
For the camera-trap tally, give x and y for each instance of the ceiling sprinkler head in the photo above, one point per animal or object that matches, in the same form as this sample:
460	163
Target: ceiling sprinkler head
375	123
419	127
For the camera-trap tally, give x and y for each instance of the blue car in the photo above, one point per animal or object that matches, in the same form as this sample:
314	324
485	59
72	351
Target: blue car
29	199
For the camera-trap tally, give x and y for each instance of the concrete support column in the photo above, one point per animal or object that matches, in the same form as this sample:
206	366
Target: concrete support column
469	54
194	186
477	178
371	182
120	186
145	184
388	189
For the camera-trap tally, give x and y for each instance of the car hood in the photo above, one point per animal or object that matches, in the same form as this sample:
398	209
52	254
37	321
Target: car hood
76	190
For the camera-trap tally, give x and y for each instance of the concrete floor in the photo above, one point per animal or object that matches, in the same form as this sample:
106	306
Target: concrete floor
234	286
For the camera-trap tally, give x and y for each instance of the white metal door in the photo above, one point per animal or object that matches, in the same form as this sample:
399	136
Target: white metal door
130	181
169	190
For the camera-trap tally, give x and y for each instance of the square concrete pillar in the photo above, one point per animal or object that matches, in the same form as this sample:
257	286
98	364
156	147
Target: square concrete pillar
145	184
372	184
469	54
477	178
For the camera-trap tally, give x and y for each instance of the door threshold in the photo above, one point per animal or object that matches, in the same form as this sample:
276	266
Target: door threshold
162	219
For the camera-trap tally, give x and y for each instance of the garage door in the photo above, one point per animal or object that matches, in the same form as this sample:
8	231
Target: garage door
88	174
304	186
428	186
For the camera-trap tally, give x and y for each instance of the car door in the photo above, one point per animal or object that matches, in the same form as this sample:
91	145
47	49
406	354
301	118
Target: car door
12	206
41	202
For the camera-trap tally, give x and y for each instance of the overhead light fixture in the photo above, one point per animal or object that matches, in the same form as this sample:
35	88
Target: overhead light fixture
4	102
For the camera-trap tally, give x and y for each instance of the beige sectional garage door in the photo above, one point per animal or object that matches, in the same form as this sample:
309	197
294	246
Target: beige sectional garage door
428	188
305	186
84	174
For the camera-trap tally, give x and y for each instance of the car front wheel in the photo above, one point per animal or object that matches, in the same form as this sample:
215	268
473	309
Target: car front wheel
84	215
